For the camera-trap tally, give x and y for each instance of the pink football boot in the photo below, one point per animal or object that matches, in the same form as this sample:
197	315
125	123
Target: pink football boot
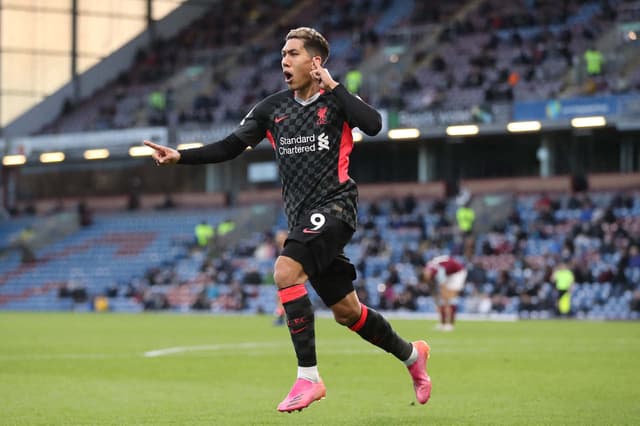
302	394
418	371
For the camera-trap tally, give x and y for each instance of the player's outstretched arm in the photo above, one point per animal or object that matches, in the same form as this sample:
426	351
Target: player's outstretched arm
163	154
217	152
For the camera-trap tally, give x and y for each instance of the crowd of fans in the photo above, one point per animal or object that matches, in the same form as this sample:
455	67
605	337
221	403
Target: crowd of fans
510	264
215	69
520	51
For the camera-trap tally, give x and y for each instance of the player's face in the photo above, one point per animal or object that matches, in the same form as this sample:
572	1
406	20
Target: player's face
296	64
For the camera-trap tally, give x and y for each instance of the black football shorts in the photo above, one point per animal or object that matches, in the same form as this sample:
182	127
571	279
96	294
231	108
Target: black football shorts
317	243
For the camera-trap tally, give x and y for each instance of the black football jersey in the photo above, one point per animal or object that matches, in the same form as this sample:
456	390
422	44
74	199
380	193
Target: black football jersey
312	141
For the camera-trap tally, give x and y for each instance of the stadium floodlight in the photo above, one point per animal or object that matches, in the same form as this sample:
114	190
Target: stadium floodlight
463	130
52	157
140	151
357	136
14	160
524	126
595	121
410	133
96	154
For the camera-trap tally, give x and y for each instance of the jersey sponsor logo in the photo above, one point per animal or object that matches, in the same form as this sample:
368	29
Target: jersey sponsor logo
298	140
296	145
322	116
279	119
302	144
283	150
323	142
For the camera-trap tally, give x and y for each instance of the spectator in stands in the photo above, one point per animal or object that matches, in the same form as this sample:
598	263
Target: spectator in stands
409	204
155	301
361	290
202	302
157	102
135	186
406	299
252	276
564	279
321	222
634	257
226	226
24	243
167	203
465	215
267	248
594	60
204	233
74	290
223	231
449	277
374	209
635	301
545	208
353	80
465	218
85	215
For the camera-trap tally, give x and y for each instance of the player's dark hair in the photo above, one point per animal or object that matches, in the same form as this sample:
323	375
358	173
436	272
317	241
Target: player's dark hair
313	41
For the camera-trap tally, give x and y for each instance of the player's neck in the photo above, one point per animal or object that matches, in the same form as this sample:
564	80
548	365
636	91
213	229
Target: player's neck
307	92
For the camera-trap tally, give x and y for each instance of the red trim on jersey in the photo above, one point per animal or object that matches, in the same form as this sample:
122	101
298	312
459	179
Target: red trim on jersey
294	292
271	139
363	318
346	145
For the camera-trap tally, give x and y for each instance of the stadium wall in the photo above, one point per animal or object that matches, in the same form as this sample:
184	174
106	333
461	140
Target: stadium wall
368	192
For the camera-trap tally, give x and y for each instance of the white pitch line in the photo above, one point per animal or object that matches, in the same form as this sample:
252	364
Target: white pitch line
325	349
222	346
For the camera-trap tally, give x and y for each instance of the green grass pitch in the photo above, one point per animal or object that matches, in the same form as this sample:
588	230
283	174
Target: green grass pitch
91	369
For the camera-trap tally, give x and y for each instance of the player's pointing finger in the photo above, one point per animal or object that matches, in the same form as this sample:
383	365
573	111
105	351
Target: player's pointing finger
152	145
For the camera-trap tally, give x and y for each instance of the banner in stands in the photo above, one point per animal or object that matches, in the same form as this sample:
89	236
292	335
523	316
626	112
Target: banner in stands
556	109
481	114
629	106
433	118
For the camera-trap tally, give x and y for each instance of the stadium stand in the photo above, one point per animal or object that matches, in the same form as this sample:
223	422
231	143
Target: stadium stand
416	56
201	75
510	263
528	50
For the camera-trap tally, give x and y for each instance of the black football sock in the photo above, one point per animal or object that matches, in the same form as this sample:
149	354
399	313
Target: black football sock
375	329
301	323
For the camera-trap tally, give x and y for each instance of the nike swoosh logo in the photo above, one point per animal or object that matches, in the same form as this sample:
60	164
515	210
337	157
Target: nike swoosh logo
310	231
300	330
279	119
295	400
